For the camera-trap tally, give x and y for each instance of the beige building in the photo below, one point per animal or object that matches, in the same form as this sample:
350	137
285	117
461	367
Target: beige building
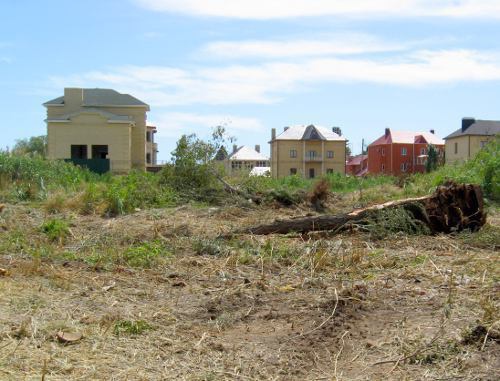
101	129
151	146
466	142
308	151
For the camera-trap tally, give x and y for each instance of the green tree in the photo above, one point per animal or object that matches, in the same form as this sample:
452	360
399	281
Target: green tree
34	146
432	158
193	171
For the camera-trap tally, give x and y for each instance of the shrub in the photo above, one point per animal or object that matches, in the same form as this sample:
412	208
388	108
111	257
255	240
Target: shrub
55	229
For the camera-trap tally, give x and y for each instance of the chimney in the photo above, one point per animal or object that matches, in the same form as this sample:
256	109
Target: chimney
467	122
73	96
285	128
257	148
432	132
235	148
337	131
387	132
273	133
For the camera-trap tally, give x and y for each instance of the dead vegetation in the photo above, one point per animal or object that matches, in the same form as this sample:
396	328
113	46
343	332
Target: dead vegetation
452	208
156	295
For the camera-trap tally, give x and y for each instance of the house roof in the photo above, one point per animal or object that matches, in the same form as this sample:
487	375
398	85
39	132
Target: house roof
408	137
357	160
310	132
102	97
112	118
249	154
480	127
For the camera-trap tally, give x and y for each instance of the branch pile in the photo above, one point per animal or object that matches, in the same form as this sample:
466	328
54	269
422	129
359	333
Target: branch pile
453	207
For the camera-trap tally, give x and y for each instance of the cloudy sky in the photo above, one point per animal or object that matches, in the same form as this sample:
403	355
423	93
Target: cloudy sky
362	65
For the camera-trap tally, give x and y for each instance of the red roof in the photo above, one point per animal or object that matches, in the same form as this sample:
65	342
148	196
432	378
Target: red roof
357	160
408	137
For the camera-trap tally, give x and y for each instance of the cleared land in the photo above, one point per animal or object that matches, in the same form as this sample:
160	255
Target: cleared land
157	296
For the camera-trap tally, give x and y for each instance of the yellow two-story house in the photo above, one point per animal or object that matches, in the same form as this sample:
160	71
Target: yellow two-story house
466	142
101	129
308	151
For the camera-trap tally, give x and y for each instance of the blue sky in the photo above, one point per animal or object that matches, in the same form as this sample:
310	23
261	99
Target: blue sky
362	65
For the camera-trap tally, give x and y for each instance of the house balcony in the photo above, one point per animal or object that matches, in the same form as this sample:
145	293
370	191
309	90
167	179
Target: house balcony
313	158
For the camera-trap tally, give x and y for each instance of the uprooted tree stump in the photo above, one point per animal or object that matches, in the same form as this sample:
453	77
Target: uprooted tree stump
453	207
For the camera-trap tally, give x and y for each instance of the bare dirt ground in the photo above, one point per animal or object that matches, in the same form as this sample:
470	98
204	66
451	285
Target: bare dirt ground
343	307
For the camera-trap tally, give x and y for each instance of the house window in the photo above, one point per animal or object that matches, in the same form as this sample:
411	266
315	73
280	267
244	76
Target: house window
148	158
148	136
312	173
329	154
236	164
404	167
383	151
383	167
293	153
262	164
456	148
79	152
293	171
483	143
99	152
422	151
329	171
403	151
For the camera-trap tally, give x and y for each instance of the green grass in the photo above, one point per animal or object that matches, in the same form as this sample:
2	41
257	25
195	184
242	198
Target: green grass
131	327
55	229
62	185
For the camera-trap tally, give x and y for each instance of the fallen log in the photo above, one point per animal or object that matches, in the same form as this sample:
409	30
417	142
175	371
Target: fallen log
453	207
232	190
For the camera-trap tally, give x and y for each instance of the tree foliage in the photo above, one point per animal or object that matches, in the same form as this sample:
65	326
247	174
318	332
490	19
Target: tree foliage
432	158
34	146
193	171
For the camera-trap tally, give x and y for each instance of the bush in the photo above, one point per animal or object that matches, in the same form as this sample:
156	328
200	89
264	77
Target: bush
55	229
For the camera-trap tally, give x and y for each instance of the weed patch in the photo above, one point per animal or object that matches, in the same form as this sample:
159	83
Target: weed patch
56	230
131	327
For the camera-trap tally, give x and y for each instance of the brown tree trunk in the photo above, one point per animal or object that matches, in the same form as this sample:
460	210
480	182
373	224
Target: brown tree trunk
453	207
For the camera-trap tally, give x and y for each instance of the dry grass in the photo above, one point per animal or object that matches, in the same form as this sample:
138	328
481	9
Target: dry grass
251	308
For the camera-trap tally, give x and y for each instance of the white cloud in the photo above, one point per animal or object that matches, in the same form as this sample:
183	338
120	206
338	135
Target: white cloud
274	9
269	82
176	123
342	44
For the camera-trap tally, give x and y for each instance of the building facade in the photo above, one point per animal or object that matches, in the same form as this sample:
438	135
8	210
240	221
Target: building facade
357	165
89	126
245	159
309	151
467	141
151	146
401	152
